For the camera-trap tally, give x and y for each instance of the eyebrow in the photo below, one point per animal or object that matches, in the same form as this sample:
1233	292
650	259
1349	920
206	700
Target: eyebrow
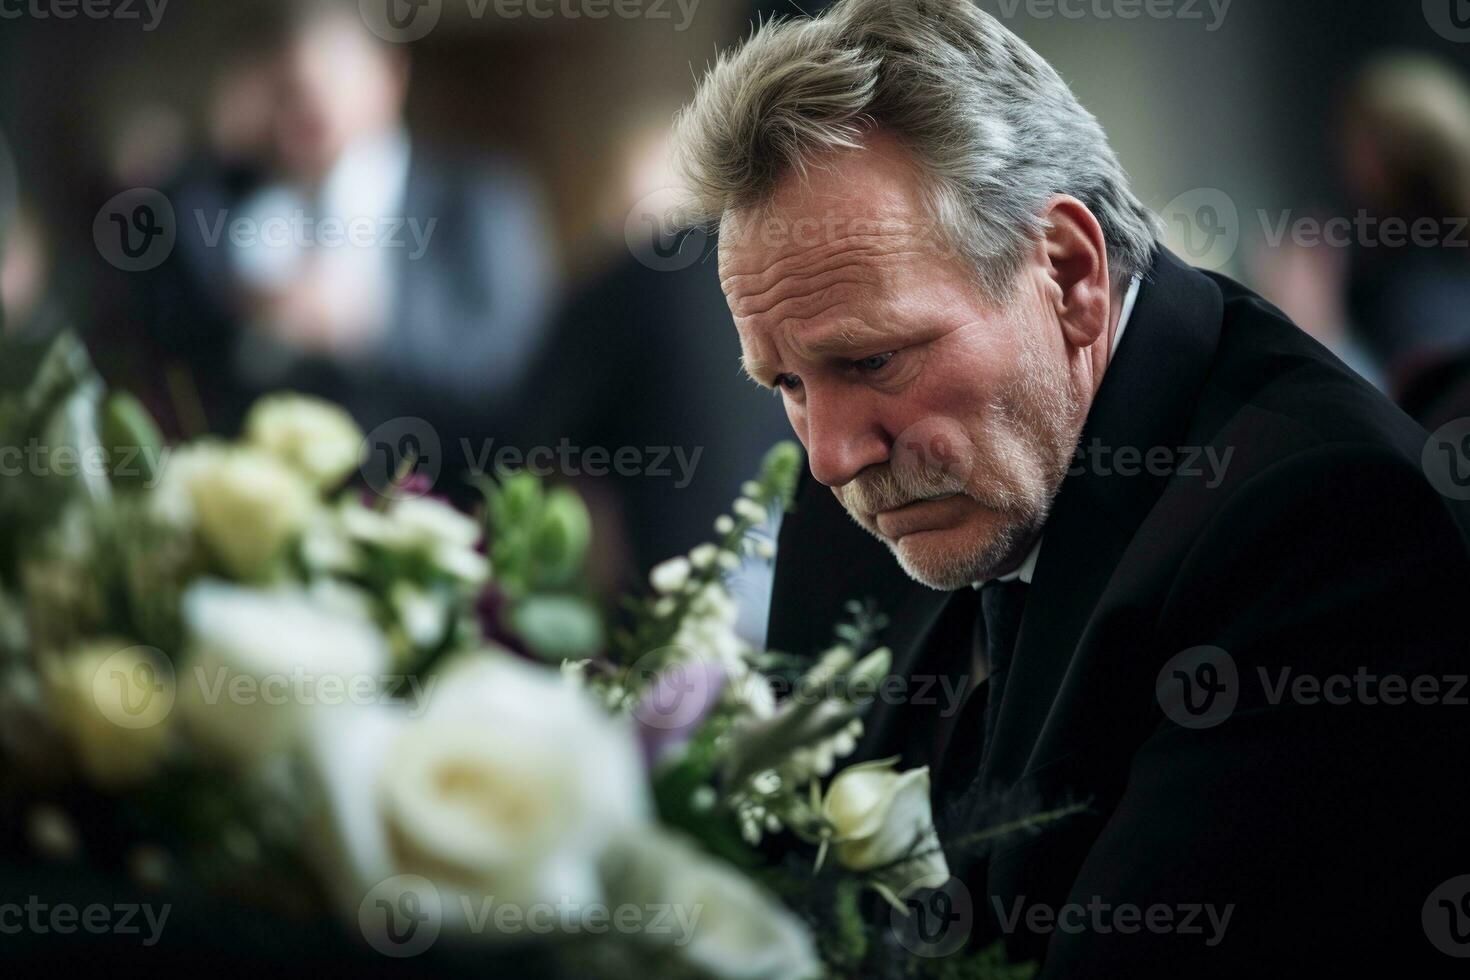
830	344
754	369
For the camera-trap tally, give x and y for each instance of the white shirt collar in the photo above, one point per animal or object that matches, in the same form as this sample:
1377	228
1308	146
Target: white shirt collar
1028	567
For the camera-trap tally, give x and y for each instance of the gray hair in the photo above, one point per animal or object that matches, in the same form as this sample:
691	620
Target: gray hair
993	128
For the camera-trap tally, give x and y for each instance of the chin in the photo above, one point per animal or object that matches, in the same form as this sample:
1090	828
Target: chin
953	558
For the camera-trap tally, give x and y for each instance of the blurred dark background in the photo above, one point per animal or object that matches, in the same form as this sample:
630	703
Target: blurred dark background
504	163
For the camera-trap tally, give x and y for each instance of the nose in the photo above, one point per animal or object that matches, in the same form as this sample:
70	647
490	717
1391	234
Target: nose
842	438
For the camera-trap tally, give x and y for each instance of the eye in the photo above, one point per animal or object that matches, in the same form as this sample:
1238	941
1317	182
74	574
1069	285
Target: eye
875	363
788	381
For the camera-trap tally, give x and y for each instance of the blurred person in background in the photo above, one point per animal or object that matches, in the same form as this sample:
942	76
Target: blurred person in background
640	361
370	270
1405	146
26	306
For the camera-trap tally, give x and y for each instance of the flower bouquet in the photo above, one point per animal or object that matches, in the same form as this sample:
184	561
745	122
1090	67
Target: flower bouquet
229	674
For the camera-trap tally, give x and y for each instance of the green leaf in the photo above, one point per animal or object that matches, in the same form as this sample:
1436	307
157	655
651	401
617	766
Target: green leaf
133	442
558	627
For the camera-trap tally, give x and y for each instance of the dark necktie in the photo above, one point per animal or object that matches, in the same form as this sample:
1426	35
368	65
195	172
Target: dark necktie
965	738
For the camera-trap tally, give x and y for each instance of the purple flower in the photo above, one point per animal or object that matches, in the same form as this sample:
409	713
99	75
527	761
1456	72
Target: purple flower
676	705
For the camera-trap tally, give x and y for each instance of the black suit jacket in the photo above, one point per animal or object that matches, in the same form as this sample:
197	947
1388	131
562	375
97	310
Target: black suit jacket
1323	551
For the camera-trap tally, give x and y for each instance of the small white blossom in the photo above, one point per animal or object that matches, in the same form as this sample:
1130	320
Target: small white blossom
671	575
749	510
703	556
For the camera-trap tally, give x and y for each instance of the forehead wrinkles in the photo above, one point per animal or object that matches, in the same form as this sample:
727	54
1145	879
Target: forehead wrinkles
807	276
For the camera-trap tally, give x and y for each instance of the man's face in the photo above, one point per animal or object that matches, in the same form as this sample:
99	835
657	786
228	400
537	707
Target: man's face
337	83
943	420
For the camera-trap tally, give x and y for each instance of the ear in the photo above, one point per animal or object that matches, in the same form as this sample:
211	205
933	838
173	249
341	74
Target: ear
1075	254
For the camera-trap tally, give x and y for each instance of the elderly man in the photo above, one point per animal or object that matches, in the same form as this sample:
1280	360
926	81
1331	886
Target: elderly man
1144	544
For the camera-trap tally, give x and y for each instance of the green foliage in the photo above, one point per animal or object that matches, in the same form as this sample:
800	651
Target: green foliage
49	406
538	544
558	627
677	791
132	440
539	538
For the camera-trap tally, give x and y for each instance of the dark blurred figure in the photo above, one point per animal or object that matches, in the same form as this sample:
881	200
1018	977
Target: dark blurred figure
365	268
644	361
1406	147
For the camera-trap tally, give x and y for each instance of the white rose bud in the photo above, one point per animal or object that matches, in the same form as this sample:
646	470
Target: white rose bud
878	817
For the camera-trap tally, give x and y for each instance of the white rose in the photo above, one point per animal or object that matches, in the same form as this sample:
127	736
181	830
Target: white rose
717	919
510	784
245	504
114	702
316	438
262	662
878	816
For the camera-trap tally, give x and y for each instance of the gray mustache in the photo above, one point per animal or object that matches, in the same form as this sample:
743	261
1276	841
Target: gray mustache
890	489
